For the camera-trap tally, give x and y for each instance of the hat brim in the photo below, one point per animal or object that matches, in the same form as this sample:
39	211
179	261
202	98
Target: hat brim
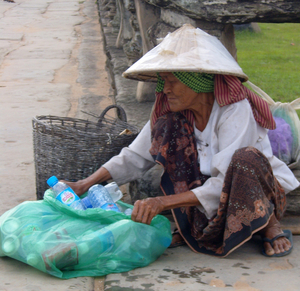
187	49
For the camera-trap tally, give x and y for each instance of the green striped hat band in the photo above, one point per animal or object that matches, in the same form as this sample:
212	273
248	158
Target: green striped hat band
198	82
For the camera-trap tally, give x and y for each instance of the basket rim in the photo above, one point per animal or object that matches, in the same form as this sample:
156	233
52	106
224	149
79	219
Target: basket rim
45	121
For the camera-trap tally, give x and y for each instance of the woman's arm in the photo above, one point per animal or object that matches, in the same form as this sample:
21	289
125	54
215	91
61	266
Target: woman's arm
82	186
129	165
144	210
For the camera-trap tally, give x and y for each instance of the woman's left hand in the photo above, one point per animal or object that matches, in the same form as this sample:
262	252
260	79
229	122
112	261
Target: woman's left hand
144	210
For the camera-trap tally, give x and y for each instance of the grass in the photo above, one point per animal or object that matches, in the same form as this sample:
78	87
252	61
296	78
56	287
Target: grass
271	59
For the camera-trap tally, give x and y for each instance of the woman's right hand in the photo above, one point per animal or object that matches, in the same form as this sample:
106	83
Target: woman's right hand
79	187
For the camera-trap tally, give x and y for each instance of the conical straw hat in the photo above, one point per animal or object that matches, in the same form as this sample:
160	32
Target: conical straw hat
186	49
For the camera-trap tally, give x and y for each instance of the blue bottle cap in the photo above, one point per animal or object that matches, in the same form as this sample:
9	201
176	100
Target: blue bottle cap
52	181
86	202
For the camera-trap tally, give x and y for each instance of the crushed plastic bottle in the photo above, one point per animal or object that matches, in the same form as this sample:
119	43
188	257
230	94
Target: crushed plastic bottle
114	191
99	197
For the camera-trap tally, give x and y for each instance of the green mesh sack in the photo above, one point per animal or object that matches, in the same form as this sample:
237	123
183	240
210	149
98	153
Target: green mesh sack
67	243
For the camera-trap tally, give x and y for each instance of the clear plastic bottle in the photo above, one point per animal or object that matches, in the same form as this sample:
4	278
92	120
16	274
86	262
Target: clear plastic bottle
65	194
114	191
104	238
10	245
128	211
36	260
109	264
10	226
104	241
99	197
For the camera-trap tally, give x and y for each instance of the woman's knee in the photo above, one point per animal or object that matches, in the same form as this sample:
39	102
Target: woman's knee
249	153
243	152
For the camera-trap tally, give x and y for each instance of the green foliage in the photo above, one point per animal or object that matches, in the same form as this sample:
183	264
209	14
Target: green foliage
271	59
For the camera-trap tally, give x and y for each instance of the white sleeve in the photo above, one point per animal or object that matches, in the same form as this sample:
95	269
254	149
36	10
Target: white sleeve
133	161
236	128
281	171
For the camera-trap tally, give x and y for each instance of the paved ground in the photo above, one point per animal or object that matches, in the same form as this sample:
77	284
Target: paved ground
52	62
180	269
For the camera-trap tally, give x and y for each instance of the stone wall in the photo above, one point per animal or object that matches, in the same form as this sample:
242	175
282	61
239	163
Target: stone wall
118	60
141	23
234	11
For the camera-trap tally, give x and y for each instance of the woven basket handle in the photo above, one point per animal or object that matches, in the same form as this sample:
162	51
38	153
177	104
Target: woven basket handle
120	113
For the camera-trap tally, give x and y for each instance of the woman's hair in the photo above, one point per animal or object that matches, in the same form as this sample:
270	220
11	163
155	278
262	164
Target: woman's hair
198	82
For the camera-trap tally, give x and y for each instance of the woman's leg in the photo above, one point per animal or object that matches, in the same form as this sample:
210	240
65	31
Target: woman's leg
252	201
273	229
177	240
250	177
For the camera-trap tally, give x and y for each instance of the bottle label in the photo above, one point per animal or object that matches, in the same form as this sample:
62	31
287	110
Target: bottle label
61	256
110	206
30	228
67	197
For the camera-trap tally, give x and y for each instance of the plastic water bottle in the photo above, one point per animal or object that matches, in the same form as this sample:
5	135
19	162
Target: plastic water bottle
114	191
10	245
10	226
109	264
99	197
104	238
65	194
128	211
104	241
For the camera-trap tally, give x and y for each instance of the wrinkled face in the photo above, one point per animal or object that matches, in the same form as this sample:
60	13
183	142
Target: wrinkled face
180	96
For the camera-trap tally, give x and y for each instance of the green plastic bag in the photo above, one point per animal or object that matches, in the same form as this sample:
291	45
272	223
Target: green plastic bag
67	243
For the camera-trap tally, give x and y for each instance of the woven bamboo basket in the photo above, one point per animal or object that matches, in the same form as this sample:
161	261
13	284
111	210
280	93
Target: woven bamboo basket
73	149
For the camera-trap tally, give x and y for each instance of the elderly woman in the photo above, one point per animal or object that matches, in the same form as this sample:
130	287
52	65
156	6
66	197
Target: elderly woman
209	132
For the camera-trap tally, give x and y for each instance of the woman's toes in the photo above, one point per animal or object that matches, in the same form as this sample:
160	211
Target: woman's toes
279	246
268	249
287	246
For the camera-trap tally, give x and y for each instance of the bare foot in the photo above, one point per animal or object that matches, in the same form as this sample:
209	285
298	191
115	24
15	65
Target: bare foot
177	240
273	229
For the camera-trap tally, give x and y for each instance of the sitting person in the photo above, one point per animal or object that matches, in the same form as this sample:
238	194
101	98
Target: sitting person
209	132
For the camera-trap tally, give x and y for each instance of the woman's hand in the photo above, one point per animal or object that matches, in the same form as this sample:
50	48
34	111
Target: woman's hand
79	187
145	210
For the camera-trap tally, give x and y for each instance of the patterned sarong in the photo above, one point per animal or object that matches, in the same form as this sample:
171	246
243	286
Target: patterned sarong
249	196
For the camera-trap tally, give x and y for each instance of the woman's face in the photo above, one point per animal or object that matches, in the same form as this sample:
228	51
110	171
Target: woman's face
180	96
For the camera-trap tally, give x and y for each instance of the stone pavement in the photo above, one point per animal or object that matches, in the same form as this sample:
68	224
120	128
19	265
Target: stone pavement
181	269
52	62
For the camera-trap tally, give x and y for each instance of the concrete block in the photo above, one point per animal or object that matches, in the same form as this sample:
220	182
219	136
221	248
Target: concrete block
11	36
145	92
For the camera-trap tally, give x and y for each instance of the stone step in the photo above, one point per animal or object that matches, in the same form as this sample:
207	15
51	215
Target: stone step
293	198
291	222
